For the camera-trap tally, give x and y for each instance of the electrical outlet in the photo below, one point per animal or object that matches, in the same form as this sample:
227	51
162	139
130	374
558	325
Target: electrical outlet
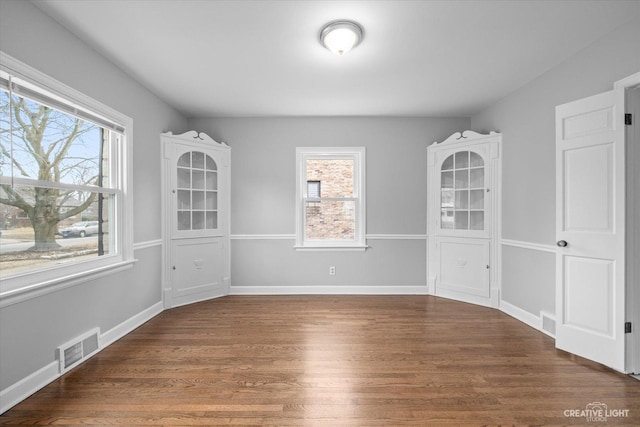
332	271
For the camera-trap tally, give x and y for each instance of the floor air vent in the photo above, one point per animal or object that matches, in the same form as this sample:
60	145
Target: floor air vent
79	349
548	324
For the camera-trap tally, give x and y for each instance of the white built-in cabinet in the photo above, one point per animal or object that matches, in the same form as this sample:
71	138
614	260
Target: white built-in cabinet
195	174
463	207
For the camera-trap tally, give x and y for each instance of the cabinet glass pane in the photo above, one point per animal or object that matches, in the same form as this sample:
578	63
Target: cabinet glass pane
212	180
198	200
212	220
475	160
462	179
184	178
211	164
185	160
197	179
476	220
462	199
184	200
462	159
446	180
476	178
184	220
448	163
476	199
198	220
447	199
198	160
462	192
461	220
197	195
212	200
446	219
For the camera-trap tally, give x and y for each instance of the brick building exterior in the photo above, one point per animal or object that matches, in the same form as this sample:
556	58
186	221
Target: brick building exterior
330	219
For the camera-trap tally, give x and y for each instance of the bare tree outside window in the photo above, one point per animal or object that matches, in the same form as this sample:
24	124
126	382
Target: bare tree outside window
50	162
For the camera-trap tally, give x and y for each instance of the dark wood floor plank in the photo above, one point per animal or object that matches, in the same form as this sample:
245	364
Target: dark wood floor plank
334	361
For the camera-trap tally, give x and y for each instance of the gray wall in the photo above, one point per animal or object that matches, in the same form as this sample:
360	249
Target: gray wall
30	331
263	197
526	119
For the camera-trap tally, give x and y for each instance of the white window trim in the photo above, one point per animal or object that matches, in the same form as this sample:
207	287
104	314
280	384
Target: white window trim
358	155
33	284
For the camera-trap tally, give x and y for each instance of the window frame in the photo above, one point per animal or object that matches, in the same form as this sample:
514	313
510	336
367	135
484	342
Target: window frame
30	284
358	155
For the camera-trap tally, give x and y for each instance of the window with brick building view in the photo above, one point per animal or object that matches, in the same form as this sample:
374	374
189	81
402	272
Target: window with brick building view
330	214
330	194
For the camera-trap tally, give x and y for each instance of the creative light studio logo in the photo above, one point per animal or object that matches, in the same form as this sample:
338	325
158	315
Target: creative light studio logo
596	412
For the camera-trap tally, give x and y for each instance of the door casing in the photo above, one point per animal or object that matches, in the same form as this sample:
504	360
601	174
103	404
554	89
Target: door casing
631	87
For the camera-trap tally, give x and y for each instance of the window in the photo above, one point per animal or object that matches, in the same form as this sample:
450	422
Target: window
313	189
462	191
64	206
330	198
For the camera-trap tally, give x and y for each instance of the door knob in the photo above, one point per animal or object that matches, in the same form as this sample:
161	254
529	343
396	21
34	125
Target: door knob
562	243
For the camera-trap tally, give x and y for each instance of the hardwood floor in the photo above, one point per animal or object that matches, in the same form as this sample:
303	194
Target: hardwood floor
335	361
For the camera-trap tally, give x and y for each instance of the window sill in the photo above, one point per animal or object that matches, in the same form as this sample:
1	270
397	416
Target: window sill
354	248
14	296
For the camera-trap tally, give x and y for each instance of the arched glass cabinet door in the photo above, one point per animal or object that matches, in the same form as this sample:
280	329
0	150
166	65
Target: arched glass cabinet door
462	192
197	192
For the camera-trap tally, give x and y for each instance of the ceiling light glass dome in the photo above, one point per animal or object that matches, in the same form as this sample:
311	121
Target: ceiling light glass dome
341	36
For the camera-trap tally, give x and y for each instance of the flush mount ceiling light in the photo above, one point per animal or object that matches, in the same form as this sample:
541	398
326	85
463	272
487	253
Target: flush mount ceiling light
341	36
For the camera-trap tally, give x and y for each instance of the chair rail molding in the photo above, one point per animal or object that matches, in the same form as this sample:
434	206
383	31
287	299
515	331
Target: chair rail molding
528	245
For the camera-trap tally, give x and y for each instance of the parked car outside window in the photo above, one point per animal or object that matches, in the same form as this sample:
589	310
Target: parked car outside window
81	229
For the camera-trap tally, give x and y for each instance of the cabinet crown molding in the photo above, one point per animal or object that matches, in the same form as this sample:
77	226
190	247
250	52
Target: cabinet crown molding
465	135
198	136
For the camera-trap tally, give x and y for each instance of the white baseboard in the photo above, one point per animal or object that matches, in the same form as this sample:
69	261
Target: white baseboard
521	315
491	301
117	332
24	388
329	290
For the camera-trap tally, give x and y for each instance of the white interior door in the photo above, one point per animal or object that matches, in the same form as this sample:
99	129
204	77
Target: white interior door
590	229
196	215
462	204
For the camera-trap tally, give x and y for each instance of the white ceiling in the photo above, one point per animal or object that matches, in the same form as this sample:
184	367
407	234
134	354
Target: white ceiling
263	58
